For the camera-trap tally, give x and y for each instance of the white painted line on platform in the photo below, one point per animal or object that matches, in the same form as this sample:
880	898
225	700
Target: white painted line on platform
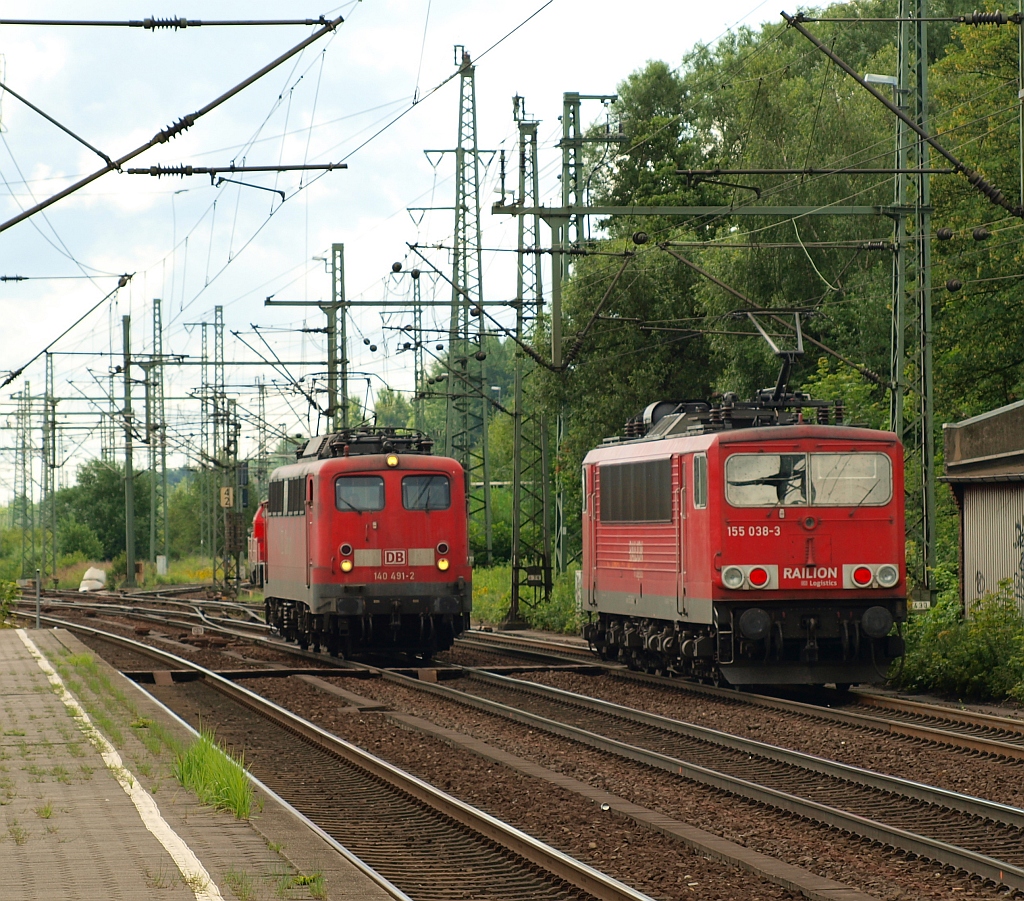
193	872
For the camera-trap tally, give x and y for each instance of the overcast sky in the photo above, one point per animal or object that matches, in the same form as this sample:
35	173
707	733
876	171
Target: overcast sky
197	245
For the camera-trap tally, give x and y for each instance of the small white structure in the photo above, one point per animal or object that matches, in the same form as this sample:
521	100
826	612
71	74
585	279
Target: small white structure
985	469
93	580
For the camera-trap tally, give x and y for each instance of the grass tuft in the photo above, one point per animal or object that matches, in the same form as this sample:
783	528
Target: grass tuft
216	776
316	884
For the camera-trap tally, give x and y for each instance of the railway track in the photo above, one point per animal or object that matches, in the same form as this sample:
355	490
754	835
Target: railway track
969	834
430	845
983	838
941	725
947	726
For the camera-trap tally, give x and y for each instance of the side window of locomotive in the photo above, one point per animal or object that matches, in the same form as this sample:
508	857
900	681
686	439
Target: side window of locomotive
275	497
636	492
584	473
766	480
700	481
426	492
296	496
850	480
359	493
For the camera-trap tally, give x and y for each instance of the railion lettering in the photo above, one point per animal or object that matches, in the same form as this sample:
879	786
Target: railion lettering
810	572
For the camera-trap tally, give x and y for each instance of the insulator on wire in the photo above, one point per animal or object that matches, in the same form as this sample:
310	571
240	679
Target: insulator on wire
366	341
414	273
640	238
981	233
153	24
980	18
396	267
954	285
944	234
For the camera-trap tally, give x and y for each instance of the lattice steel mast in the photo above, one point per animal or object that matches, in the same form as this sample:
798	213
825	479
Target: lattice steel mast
531	521
467	405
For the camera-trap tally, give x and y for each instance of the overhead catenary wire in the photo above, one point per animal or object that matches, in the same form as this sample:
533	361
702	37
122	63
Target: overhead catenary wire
976	179
154	24
175	129
121	282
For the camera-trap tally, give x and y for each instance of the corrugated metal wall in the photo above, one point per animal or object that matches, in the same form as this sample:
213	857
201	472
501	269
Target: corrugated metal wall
993	539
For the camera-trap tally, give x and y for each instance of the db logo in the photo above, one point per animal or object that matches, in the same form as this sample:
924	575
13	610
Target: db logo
394	558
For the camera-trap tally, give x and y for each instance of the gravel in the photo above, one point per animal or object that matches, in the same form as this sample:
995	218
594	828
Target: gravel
886	874
648	861
985	776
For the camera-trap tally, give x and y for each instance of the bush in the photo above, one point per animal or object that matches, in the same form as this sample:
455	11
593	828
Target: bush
492	595
8	594
977	657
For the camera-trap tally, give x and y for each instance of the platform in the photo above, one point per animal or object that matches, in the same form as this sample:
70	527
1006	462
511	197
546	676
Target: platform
89	817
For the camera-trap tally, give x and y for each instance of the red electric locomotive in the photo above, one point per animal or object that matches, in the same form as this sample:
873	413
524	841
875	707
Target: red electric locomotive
739	541
258	547
367	545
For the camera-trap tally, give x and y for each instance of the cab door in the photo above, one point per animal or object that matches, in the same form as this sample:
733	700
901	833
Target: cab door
589	577
309	529
680	463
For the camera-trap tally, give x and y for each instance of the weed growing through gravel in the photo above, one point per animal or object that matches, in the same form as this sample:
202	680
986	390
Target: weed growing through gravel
108	704
215	775
44	811
242	884
162	878
18	833
197	882
316	884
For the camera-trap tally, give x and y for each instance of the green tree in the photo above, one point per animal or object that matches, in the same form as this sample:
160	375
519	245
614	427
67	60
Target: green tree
97	502
392	410
78	539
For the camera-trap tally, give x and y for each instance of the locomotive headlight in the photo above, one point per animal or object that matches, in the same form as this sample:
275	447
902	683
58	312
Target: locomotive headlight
887	575
392	460
346	566
443	564
732	577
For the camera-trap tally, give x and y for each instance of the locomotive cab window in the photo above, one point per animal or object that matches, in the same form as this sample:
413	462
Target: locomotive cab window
431	492
824	480
843	480
766	480
359	493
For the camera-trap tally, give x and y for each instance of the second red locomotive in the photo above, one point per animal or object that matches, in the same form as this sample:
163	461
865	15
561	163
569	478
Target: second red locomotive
366	545
738	541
